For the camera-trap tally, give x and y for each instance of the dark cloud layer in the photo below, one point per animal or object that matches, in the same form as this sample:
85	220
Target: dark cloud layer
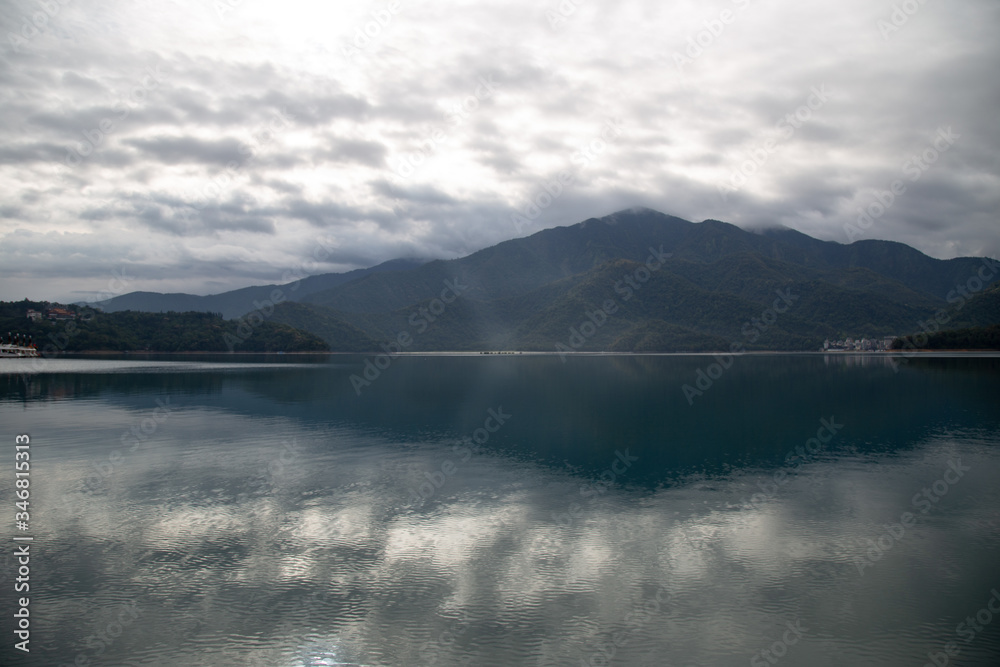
206	149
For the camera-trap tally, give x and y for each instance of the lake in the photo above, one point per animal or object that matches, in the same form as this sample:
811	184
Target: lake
506	510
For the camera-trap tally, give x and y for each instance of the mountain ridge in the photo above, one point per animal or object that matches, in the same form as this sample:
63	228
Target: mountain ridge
240	301
700	283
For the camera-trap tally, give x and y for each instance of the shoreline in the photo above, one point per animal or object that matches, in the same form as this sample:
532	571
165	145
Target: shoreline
521	353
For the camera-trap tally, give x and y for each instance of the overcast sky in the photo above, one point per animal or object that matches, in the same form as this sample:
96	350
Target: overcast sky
201	146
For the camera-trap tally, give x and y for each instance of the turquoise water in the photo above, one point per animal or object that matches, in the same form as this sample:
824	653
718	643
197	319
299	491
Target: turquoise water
507	510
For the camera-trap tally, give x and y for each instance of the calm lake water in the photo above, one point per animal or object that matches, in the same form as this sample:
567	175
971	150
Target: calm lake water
507	510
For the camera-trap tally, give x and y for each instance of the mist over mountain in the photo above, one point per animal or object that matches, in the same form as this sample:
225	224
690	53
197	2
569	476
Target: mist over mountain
637	280
237	302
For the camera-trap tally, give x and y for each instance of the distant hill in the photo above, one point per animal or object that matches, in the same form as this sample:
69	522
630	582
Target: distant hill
522	265
979	310
533	292
973	338
973	323
129	331
322	322
668	284
238	302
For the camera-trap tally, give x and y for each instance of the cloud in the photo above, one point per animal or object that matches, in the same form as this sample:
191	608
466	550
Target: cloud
393	142
420	194
569	565
18	154
176	150
368	153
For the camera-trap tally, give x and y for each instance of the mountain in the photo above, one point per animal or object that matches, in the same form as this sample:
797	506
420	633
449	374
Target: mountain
534	292
521	265
322	322
640	280
980	309
973	338
972	323
239	302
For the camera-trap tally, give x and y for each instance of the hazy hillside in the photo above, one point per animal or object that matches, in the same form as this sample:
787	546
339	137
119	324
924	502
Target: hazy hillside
530	293
973	338
322	322
238	302
128	331
522	265
672	285
980	309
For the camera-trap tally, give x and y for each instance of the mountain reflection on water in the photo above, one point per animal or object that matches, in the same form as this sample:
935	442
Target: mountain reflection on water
271	516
